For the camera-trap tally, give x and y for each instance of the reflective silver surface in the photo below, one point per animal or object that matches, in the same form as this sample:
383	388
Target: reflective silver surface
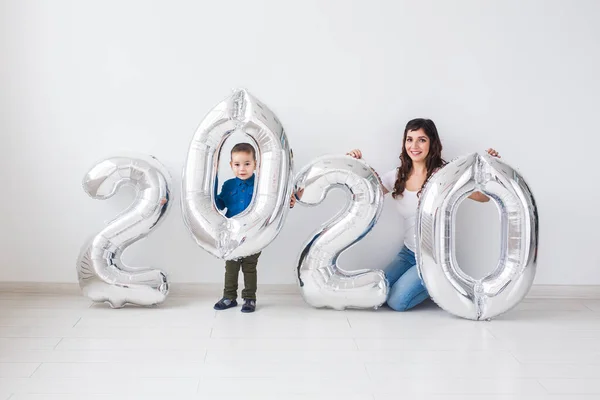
322	282
102	274
252	230
513	276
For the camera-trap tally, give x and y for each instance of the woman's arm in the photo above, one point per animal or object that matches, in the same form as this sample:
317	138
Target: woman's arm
356	153
385	191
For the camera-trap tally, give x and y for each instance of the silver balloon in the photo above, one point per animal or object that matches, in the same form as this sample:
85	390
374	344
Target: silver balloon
322	282
252	230
102	274
447	284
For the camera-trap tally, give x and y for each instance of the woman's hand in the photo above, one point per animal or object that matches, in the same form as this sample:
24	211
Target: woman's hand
478	196
493	153
356	153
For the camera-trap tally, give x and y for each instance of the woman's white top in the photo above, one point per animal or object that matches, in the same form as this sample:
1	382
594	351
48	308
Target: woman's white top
407	205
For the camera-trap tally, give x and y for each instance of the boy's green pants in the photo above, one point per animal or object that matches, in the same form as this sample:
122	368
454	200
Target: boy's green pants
232	270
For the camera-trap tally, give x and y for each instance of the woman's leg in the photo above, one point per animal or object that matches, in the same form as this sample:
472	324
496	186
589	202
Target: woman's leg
408	291
399	265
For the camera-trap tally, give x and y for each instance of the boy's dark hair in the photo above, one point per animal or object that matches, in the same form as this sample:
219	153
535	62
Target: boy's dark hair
244	148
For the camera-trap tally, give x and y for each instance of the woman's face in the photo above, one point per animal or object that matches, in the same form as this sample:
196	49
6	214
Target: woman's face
417	145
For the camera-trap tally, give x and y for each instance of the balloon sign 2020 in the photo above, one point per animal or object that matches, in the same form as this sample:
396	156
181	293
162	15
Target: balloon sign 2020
103	276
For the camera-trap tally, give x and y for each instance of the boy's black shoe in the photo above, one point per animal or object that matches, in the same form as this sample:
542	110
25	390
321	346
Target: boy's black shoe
224	304
249	306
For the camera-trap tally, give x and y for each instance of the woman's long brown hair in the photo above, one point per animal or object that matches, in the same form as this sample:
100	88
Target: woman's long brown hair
433	161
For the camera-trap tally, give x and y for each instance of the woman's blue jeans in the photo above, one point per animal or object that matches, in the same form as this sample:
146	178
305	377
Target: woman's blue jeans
406	288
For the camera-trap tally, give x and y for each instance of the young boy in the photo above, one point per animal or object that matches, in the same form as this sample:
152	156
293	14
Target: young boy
236	195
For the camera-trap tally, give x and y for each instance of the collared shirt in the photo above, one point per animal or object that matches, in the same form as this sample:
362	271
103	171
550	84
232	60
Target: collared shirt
236	195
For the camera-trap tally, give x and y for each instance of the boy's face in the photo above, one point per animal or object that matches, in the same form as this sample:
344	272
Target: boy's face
242	164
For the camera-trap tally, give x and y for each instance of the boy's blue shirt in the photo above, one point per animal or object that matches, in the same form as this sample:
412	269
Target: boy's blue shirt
236	195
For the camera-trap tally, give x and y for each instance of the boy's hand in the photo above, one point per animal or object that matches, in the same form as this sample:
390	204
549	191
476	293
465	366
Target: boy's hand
292	201
296	196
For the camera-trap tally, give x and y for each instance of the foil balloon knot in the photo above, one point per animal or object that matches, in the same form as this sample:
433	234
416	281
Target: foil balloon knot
238	111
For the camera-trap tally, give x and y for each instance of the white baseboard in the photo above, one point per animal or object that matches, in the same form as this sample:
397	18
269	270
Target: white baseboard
176	289
586	292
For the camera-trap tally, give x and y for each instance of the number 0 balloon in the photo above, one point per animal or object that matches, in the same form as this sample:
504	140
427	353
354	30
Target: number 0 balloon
447	284
252	230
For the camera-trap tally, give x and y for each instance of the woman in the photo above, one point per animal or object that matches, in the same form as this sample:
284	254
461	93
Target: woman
421	156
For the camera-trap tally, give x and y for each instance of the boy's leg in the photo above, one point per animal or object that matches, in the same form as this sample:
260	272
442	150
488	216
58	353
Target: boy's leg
250	276
232	271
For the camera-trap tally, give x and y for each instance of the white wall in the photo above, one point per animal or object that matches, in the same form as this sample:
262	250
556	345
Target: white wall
84	80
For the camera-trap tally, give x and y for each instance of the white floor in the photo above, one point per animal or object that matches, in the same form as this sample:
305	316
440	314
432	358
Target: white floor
62	347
